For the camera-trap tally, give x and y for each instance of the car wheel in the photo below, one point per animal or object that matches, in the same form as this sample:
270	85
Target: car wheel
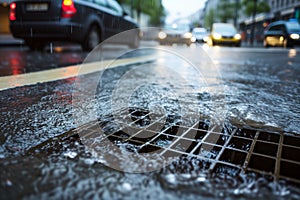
35	45
266	43
92	39
135	41
212	42
286	44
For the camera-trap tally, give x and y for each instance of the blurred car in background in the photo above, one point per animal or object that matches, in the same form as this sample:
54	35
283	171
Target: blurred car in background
200	34
282	33
87	22
177	33
224	34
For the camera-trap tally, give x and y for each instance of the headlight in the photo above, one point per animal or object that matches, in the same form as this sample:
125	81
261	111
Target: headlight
193	39
237	36
295	36
187	35
217	36
162	35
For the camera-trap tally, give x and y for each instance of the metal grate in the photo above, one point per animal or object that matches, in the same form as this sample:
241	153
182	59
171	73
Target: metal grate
231	150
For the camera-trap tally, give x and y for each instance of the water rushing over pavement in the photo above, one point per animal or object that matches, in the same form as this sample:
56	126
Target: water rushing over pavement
42	158
62	168
264	96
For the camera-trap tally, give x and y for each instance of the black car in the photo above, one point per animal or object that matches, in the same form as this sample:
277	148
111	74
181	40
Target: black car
282	33
177	33
87	22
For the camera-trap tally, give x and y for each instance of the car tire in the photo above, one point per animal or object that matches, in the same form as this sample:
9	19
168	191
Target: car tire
286	44
266	45
35	45
92	39
213	43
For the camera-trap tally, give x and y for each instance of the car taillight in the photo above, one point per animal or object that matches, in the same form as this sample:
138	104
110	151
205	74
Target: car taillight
12	11
68	9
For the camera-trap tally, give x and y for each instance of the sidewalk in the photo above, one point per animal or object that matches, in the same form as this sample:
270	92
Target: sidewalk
9	40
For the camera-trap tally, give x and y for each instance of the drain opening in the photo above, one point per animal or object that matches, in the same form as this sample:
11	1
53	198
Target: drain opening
240	143
234	157
230	151
291	140
262	163
290	153
265	149
289	169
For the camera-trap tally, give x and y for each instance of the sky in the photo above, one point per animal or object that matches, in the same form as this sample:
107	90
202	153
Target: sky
181	8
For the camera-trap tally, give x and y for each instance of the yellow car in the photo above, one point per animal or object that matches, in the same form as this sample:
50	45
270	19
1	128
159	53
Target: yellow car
224	33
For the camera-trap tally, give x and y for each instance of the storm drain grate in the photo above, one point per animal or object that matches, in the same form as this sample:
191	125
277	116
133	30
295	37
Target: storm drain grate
232	149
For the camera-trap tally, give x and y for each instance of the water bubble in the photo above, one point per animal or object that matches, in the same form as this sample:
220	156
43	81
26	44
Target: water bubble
8	183
126	187
201	179
70	154
89	161
171	178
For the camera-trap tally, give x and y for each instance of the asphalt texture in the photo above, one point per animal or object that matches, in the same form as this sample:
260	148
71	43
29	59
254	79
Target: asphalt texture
42	157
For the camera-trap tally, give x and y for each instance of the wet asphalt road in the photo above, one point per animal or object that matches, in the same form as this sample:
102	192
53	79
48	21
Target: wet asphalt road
16	60
259	86
19	59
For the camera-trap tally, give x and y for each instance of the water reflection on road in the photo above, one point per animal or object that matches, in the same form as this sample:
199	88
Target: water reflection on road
14	60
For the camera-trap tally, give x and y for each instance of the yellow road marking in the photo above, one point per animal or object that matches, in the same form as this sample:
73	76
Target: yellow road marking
8	82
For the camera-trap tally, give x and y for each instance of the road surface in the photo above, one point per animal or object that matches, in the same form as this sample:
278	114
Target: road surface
42	156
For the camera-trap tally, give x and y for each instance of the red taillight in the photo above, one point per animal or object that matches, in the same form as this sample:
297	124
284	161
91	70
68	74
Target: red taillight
12	11
68	9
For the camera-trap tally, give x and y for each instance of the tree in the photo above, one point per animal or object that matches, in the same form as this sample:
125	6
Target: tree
253	7
261	6
156	14
226	10
153	8
209	19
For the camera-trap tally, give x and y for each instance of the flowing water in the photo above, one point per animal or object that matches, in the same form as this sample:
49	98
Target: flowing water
43	155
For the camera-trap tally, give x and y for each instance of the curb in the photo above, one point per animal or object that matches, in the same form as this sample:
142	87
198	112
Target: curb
9	40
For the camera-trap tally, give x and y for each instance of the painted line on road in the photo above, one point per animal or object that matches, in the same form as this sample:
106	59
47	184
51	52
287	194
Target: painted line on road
8	82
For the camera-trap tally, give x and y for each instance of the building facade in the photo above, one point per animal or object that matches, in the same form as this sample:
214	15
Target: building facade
285	9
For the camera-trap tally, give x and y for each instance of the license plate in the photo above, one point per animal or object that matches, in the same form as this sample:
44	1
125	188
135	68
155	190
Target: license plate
33	7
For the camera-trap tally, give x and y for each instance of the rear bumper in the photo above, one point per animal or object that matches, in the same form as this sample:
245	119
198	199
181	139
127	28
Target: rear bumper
47	30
